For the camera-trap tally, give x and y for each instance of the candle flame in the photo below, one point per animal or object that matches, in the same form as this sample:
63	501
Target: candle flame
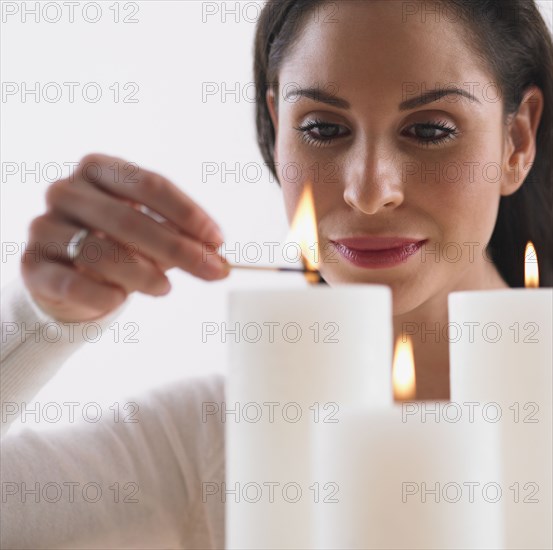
403	371
531	270
303	230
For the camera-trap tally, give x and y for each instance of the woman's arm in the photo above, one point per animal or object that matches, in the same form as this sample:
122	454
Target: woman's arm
132	482
77	486
117	483
34	346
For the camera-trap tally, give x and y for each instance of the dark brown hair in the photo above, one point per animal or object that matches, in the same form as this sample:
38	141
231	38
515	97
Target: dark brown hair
512	38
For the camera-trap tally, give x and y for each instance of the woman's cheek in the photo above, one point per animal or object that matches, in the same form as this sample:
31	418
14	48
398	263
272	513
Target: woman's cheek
465	208
296	168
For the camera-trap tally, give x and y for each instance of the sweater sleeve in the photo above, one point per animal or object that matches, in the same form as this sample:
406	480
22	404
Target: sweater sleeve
134	480
34	346
116	484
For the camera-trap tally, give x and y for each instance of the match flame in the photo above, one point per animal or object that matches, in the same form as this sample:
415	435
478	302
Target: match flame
531	270
403	371
303	229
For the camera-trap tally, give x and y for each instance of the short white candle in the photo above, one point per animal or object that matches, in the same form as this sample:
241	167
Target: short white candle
408	479
501	359
330	347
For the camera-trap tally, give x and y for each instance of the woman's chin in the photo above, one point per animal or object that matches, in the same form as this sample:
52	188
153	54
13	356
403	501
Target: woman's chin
405	297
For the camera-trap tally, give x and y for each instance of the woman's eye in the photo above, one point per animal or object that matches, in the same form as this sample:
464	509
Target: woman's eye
432	133
319	133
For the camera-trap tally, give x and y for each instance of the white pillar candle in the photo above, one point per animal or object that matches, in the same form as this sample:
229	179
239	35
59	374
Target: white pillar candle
501	359
329	347
407	478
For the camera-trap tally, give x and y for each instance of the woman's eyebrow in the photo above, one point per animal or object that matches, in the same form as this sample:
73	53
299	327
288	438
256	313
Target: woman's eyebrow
433	95
317	94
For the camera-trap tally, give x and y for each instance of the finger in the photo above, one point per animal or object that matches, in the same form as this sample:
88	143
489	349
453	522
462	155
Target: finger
64	290
134	183
102	257
83	204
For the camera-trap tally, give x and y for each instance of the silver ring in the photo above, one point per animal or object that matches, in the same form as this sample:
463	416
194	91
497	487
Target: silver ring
75	245
149	212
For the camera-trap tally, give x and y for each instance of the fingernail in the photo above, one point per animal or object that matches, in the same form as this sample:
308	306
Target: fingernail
166	288
218	235
225	264
216	267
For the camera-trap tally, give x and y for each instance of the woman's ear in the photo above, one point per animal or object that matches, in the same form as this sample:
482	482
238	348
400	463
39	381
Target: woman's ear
520	150
271	104
270	98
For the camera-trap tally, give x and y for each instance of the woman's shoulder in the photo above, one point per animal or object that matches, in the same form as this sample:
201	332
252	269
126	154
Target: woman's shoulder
181	413
197	386
190	397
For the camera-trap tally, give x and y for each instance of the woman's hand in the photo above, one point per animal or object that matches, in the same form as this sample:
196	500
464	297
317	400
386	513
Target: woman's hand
125	249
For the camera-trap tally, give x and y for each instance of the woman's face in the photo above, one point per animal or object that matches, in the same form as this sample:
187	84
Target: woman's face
382	167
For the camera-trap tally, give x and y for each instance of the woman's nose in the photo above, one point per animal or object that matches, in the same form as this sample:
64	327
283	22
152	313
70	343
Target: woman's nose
373	182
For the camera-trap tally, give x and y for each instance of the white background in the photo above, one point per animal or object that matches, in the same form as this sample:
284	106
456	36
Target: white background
170	52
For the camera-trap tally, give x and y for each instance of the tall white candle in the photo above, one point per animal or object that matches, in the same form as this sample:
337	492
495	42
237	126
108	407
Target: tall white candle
329	347
501	359
416	476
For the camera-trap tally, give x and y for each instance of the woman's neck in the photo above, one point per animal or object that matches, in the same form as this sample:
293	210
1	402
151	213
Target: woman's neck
427	325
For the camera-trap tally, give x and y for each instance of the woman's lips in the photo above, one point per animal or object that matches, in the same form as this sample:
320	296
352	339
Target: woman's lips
377	252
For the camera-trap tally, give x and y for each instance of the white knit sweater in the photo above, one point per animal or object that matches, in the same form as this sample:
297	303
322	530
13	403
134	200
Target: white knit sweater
104	484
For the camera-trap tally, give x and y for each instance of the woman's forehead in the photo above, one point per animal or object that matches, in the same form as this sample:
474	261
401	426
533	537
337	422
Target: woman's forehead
371	47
